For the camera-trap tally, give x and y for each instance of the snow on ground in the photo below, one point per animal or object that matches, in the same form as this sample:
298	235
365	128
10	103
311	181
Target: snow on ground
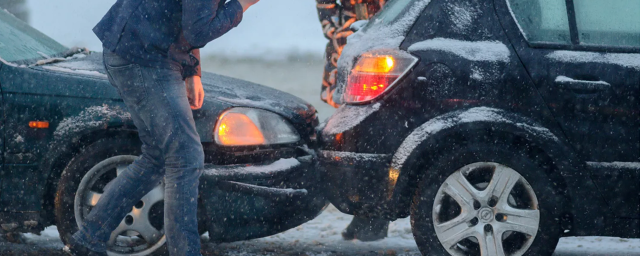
321	237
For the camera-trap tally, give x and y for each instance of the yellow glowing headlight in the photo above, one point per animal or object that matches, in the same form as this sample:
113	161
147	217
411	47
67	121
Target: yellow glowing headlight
252	127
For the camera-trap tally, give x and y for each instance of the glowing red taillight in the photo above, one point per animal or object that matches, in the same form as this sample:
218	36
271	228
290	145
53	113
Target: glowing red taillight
375	73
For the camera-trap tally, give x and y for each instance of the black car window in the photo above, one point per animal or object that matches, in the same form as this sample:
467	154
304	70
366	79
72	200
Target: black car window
19	41
542	21
608	23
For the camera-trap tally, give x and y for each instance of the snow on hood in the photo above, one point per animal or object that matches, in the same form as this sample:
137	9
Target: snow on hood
81	64
627	60
241	93
91	117
3	61
435	125
492	51
219	88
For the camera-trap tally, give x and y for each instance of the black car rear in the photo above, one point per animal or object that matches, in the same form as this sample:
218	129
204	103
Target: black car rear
555	94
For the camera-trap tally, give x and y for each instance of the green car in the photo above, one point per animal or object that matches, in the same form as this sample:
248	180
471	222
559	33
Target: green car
66	134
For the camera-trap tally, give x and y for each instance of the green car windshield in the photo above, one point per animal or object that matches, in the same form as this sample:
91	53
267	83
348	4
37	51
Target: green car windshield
21	42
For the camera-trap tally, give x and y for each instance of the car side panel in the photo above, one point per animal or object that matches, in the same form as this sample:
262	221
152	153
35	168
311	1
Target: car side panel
35	95
602	126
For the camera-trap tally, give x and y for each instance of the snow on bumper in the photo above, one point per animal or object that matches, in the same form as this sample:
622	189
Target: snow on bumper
230	177
256	200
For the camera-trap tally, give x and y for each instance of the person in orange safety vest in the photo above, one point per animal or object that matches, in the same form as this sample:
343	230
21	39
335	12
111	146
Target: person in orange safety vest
336	19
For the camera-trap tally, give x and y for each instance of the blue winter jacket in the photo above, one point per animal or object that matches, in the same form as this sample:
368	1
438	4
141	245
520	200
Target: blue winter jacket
163	33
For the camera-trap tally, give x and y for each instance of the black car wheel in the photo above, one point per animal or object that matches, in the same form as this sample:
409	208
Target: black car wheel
486	200
84	180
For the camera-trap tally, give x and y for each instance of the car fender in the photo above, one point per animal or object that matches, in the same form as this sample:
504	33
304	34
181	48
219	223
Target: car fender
71	135
567	171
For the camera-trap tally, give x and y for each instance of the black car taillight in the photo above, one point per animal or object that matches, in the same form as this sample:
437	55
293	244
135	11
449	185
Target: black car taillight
375	73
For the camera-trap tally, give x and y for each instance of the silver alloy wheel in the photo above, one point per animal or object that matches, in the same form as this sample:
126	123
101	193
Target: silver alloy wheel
135	236
467	211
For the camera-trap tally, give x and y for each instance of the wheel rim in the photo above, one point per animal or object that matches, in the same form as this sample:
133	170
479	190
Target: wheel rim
141	232
486	209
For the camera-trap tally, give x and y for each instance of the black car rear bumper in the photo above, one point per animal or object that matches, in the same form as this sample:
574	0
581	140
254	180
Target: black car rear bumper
358	184
255	200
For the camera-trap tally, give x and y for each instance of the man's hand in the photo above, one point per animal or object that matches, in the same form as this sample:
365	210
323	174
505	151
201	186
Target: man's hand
247	3
195	93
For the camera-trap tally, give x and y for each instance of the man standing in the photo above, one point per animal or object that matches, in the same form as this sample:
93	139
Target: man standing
150	47
336	19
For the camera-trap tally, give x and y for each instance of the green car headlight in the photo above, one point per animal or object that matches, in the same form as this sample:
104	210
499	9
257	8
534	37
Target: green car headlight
253	127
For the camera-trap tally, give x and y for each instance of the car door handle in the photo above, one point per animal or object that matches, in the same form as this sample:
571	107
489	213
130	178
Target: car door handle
581	86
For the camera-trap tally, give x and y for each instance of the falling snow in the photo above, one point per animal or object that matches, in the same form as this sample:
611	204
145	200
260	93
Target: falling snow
18	139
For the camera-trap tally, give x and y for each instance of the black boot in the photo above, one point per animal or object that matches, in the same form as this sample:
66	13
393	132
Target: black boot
76	249
366	230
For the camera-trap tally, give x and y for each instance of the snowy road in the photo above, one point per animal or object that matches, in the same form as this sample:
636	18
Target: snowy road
321	237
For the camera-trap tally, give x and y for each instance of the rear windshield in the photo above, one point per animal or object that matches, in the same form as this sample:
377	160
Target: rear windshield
19	41
390	12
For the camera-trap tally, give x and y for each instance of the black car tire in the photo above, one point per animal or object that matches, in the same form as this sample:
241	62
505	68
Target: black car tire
76	170
444	165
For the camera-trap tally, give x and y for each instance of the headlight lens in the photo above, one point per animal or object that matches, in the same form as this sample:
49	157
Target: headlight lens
253	127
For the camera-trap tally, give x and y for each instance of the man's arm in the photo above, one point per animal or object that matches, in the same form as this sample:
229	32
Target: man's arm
326	10
203	21
195	92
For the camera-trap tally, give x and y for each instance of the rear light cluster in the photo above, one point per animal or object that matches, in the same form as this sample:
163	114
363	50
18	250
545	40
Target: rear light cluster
375	73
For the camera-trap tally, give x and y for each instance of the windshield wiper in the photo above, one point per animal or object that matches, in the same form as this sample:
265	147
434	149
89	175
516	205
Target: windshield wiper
67	55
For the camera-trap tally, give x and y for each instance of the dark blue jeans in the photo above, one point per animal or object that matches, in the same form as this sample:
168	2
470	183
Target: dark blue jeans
171	149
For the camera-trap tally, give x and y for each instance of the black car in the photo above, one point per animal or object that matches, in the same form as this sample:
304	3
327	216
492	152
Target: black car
66	134
499	126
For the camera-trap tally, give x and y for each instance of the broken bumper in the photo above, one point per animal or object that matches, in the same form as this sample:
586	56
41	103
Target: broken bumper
257	200
358	184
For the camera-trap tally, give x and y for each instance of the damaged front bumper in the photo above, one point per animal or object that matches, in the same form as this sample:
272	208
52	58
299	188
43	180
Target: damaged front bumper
359	184
249	201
